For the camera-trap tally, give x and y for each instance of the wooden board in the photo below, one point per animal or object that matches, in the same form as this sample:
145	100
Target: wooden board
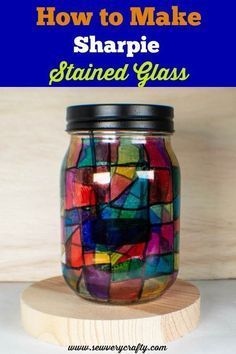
33	141
52	312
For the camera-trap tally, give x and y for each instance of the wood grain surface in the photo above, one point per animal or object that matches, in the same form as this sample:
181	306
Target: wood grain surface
52	312
33	141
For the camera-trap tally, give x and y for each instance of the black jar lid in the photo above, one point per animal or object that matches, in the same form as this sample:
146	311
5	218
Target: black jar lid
120	117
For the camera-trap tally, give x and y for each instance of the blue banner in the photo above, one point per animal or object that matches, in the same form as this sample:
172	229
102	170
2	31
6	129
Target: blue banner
140	43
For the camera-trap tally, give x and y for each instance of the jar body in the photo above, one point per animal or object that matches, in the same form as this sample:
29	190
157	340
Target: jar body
120	196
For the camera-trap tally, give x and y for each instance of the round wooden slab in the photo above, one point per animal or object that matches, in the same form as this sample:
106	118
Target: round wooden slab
52	312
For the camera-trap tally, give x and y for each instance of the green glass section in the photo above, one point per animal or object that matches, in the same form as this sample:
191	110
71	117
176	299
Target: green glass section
128	152
176	242
176	181
130	269
136	266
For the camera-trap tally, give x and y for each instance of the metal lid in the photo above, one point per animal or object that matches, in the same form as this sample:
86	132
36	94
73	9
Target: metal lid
120	117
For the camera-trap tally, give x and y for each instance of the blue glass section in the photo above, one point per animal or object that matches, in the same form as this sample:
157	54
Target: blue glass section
158	265
151	266
155	214
87	236
176	207
72	217
86	156
166	264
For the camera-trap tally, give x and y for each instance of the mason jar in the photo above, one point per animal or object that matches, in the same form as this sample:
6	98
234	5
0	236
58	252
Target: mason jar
120	202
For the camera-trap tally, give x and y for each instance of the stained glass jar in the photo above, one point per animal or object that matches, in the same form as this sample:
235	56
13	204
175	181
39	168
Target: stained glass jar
120	197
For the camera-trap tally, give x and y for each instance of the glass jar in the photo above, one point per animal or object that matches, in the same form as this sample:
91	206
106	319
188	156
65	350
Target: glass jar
120	197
